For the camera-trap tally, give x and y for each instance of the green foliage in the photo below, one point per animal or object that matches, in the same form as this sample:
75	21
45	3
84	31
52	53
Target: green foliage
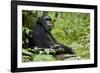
70	28
26	36
73	29
44	57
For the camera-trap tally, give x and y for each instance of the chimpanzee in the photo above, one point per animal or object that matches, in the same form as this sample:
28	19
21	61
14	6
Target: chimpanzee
43	38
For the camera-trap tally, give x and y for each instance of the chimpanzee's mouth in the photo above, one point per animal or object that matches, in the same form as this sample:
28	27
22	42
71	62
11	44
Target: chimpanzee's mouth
49	28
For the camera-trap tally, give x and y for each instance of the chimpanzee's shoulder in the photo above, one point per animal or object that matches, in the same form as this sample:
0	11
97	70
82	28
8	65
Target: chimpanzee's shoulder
37	29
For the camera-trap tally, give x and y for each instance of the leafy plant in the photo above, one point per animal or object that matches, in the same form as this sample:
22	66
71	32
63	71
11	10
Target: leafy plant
70	28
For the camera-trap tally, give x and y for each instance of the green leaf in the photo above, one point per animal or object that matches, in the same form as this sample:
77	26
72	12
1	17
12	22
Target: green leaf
26	52
27	31
47	51
27	40
41	52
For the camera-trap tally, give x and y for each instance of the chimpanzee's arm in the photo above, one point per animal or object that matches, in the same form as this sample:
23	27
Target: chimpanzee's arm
53	38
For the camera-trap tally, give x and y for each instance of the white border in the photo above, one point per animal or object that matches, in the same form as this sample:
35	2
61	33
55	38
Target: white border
53	63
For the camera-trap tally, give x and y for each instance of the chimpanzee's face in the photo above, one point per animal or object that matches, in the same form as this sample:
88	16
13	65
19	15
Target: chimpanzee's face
47	23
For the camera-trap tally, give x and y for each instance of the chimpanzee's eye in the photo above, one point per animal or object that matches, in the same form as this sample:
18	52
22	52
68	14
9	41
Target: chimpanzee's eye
49	19
46	19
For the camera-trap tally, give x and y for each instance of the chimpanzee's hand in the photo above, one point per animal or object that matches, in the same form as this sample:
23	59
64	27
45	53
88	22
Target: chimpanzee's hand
58	49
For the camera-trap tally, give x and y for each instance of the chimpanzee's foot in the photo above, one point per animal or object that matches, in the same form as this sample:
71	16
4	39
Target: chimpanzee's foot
67	50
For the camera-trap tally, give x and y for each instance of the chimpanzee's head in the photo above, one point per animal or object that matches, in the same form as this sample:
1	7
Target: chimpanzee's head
46	22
